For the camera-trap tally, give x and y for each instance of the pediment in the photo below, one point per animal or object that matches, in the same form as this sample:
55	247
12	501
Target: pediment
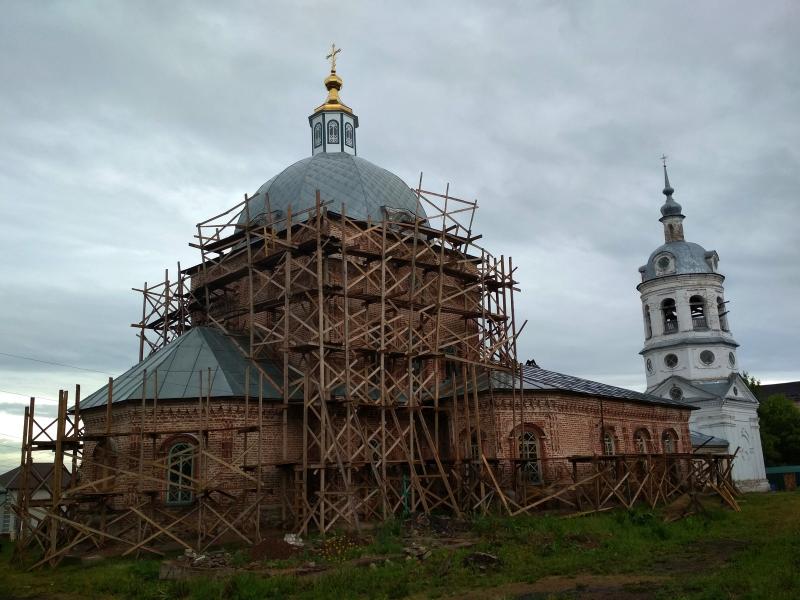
688	391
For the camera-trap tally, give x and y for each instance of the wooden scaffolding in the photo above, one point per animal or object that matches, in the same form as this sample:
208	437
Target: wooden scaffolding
373	323
381	340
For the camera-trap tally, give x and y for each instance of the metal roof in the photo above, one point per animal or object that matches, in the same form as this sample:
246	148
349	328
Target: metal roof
715	388
364	188
535	378
707	441
689	258
41	473
790	389
175	371
780	470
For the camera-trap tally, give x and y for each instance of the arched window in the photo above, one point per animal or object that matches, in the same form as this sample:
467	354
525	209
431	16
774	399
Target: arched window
641	441
450	368
723	314
317	135
105	461
697	306
669	442
530	452
474	448
648	326
608	444
670	313
471	448
333	132
348	135
180	465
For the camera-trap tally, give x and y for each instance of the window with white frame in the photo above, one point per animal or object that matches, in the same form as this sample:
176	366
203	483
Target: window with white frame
180	461
530	452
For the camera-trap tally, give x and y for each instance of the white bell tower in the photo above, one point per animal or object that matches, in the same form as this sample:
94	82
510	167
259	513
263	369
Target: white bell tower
689	352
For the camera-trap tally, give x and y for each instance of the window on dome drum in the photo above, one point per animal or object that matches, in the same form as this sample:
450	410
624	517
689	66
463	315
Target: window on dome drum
180	461
333	132
530	452
697	306
608	443
670	314
348	134
669	442
731	359
723	314
649	364
671	360
317	135
648	325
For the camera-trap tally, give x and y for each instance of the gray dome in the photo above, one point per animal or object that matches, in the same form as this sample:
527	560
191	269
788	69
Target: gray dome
688	257
364	188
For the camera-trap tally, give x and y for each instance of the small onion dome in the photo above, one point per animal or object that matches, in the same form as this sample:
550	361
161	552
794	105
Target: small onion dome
333	83
670	208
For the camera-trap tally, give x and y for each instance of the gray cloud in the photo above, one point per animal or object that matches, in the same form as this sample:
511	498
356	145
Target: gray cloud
126	124
14	408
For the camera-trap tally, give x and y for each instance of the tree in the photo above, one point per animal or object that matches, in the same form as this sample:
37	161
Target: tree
779	418
752	383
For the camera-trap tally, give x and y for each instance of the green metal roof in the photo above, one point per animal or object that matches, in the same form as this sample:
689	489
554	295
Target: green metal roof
783	469
175	371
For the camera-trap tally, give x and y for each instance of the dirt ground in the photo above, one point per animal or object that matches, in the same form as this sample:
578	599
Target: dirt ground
637	586
580	587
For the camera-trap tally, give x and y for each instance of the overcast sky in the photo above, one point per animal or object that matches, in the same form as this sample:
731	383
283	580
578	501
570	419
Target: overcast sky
124	124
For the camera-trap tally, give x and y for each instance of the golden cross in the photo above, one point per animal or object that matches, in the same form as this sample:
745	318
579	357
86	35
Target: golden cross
664	159
332	57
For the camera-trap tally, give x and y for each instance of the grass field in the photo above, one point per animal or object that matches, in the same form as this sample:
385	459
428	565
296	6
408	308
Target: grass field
616	555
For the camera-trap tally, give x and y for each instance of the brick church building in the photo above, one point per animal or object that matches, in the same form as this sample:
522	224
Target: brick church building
343	351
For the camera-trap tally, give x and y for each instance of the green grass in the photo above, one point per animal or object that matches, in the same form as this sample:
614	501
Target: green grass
722	555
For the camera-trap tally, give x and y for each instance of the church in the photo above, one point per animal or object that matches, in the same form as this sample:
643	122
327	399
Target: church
344	351
689	351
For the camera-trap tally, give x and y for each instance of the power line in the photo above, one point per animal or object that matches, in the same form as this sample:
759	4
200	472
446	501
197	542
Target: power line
27	395
49	362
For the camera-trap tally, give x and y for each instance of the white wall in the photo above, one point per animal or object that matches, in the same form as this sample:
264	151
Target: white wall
736	422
